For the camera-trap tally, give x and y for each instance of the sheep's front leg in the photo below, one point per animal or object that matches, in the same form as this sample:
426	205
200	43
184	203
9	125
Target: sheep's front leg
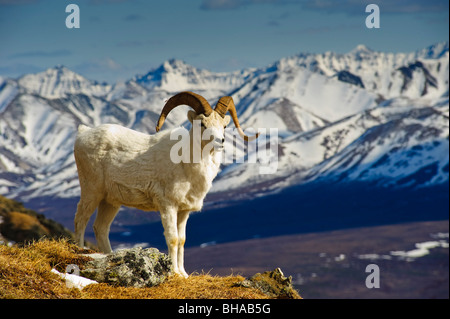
169	221
181	222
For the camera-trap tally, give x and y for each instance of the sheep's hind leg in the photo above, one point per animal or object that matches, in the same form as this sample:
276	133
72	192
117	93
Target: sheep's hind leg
169	221
105	216
85	209
181	224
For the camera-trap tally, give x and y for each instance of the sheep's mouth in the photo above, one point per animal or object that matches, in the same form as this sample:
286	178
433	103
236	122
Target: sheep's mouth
218	147
218	144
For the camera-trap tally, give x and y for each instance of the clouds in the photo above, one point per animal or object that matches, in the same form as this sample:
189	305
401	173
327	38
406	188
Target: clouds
141	44
16	2
386	6
102	2
41	54
137	34
18	69
98	65
133	17
221	4
334	6
108	70
234	4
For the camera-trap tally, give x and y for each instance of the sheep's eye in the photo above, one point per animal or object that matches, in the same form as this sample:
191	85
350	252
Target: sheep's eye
203	125
225	127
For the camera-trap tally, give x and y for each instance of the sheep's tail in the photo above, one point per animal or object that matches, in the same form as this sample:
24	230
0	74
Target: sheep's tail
82	128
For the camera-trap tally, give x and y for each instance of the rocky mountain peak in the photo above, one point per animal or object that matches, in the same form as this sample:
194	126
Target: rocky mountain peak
361	49
58	81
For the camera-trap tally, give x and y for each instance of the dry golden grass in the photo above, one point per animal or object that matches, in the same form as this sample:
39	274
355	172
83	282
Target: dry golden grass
25	272
194	287
24	221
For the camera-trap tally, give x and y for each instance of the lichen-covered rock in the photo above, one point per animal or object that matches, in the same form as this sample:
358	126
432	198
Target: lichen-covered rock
272	283
135	267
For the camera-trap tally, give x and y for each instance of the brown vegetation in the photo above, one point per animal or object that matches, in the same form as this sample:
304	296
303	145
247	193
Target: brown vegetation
25	272
21	225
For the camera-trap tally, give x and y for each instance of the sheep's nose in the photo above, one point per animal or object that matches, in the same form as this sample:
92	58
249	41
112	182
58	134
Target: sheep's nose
223	139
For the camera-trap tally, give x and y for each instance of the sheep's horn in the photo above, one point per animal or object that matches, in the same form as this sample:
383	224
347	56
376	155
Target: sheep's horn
197	102
226	104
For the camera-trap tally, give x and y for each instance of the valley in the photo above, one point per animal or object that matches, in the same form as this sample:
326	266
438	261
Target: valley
361	160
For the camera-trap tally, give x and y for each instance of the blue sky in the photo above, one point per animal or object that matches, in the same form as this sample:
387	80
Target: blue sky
121	38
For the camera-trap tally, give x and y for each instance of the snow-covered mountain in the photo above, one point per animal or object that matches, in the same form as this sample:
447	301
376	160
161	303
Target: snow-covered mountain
60	81
365	115
175	75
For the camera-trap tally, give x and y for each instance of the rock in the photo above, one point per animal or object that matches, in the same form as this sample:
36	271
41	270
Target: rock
135	267
272	283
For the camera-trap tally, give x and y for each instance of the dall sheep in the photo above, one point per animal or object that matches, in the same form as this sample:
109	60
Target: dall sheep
119	166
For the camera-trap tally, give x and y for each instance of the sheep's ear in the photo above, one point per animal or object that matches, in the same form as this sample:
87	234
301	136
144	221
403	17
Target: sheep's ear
191	115
227	120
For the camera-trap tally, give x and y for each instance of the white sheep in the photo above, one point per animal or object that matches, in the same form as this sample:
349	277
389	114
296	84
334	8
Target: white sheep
118	166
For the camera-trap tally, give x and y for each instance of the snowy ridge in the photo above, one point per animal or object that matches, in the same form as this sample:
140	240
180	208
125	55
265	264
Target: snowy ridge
386	74
8	91
364	115
175	75
405	148
58	81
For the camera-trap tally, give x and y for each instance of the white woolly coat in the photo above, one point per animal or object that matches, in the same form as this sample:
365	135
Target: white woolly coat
129	168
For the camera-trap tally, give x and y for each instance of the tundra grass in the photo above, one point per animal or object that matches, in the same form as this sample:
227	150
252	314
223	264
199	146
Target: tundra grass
25	273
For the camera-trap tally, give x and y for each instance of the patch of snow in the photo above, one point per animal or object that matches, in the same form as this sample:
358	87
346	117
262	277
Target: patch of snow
341	257
128	246
74	281
209	243
440	235
422	249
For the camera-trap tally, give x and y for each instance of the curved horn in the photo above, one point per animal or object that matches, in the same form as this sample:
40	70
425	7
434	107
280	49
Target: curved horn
197	102
226	104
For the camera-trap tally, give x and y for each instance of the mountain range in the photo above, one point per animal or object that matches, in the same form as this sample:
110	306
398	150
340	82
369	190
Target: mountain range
369	117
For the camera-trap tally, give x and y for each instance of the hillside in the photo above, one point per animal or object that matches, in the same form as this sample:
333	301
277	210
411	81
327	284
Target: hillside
21	225
25	273
32	245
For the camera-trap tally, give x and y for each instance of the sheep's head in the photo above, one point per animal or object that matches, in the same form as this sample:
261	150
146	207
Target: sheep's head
212	128
214	119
